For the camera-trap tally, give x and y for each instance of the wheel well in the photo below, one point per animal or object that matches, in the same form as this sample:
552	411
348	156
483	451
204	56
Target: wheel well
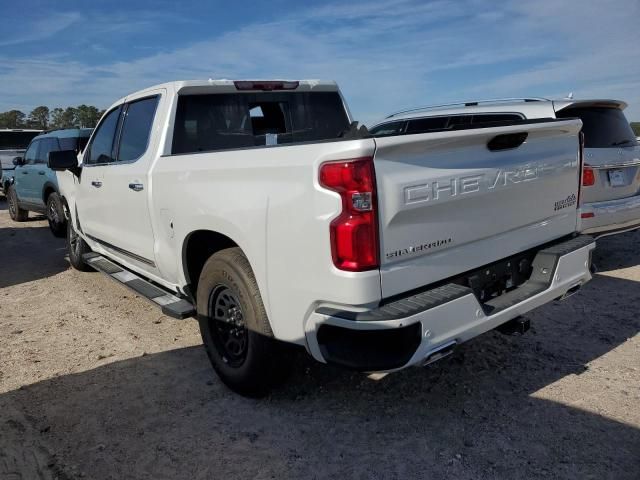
47	191
198	247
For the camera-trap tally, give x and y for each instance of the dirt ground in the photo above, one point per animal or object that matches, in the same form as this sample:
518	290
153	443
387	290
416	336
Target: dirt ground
96	383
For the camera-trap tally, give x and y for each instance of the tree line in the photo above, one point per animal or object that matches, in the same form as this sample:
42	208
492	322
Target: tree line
82	116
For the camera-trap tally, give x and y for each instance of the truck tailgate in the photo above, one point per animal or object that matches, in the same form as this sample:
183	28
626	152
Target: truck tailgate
449	204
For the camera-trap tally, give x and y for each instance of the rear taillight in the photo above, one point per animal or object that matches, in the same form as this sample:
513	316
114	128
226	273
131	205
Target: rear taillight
354	233
588	177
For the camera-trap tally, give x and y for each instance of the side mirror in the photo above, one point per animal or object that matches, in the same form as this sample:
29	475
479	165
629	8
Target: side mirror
17	161
63	160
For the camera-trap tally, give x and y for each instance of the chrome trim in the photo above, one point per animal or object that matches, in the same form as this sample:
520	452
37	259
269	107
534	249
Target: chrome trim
471	102
632	163
138	258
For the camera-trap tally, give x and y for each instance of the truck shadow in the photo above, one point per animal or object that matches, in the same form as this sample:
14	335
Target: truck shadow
29	253
33	217
618	251
475	415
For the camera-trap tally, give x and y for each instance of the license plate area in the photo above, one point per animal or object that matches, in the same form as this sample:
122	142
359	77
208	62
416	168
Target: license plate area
617	178
496	279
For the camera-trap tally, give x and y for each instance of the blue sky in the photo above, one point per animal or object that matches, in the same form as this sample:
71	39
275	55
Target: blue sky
385	55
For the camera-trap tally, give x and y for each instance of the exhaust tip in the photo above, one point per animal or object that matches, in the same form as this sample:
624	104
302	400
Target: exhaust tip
572	291
439	353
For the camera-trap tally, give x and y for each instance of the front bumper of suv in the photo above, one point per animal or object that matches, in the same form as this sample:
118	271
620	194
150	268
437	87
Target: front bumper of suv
609	217
422	327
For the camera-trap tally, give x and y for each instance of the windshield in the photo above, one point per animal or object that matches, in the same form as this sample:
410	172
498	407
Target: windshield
602	127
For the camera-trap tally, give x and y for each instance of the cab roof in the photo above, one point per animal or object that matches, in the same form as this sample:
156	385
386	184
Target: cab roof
232	86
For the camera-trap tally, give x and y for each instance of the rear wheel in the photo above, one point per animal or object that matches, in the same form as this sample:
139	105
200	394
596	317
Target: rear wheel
234	326
16	213
55	215
77	247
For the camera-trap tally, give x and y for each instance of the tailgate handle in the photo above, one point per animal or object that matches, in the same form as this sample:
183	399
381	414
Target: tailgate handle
507	141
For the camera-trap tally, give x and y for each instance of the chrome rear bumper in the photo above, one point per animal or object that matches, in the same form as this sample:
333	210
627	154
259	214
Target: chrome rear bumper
411	330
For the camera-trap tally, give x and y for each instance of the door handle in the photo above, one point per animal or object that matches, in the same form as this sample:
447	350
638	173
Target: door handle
136	187
96	183
40	173
24	172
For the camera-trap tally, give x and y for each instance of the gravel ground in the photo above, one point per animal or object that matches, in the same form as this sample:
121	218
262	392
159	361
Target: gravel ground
96	383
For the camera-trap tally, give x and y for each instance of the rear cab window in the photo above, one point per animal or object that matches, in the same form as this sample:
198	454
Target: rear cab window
209	122
603	127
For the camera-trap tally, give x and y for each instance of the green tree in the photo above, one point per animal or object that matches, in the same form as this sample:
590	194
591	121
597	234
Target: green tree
87	116
70	118
12	119
56	117
63	118
39	117
636	128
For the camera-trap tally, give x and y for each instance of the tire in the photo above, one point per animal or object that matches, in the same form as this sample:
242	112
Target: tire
55	215
16	213
235	329
77	247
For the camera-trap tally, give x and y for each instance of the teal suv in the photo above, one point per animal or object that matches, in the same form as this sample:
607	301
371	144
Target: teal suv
34	186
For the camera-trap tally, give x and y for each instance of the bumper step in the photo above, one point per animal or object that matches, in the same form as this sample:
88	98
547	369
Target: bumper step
170	304
544	265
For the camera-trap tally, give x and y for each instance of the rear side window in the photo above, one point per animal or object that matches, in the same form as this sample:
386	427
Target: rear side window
602	127
32	152
490	118
423	125
392	128
458	120
240	120
452	122
136	129
101	148
46	145
76	144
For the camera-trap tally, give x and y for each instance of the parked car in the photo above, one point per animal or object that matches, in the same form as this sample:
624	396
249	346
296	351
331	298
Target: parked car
259	208
13	143
611	177
34	186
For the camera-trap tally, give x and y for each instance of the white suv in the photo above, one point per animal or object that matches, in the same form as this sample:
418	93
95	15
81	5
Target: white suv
611	175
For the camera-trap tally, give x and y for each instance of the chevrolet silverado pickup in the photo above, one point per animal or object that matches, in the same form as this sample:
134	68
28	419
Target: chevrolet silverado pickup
261	209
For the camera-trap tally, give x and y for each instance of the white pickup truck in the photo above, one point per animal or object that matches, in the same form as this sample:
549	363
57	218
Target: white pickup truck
259	208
